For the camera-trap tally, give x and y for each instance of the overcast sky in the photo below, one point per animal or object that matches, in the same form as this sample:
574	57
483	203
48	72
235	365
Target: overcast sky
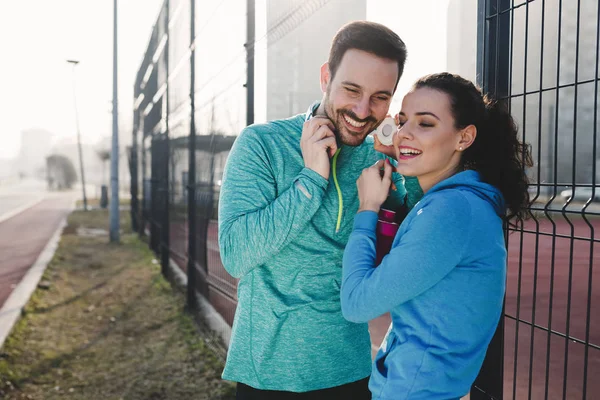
38	36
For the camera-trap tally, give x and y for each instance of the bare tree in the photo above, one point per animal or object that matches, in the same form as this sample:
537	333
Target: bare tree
60	172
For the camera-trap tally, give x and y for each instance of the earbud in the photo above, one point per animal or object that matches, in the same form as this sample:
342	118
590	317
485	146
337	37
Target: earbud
385	131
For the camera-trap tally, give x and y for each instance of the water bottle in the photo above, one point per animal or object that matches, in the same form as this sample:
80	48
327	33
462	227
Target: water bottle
386	232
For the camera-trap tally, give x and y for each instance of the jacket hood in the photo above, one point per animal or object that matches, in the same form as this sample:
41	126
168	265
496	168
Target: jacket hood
471	181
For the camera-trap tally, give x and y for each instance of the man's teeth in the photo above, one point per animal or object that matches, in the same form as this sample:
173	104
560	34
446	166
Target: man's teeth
410	152
354	123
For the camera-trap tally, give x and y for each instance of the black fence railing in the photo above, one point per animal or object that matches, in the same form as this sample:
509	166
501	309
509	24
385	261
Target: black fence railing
179	151
541	58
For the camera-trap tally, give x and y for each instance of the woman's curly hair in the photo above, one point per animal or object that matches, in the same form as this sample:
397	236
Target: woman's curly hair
497	153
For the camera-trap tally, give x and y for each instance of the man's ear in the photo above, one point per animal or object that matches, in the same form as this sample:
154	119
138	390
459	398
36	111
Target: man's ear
467	137
325	77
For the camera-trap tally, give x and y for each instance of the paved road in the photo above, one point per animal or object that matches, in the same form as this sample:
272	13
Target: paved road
24	235
17	195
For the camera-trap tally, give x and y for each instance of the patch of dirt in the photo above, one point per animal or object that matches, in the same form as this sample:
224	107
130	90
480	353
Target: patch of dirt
108	326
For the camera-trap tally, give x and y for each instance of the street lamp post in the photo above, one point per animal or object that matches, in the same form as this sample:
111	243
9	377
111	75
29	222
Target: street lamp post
74	63
114	159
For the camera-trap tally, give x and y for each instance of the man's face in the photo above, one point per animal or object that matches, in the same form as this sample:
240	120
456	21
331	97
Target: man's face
357	99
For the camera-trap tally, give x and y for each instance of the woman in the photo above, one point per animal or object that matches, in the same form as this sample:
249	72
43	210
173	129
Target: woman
444	279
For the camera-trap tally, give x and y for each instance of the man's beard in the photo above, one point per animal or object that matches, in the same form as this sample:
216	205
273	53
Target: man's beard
342	134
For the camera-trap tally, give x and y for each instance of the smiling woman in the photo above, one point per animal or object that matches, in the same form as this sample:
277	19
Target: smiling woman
443	281
428	144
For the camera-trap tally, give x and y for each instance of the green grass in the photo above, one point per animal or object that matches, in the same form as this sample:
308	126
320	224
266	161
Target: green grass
109	327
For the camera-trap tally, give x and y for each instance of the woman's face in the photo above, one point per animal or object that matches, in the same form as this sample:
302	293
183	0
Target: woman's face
427	143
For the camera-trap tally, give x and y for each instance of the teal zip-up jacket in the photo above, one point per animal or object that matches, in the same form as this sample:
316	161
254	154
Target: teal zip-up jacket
277	233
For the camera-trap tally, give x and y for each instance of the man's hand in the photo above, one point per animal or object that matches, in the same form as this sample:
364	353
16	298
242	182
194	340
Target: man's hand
318	144
373	188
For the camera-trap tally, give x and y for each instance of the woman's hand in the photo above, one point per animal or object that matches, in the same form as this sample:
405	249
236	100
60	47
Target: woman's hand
373	187
382	148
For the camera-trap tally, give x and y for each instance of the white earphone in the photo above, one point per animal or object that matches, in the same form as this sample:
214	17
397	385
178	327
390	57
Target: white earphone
386	130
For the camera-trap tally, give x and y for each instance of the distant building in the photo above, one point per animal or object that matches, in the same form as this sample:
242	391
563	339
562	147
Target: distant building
570	115
6	168
462	38
300	33
31	159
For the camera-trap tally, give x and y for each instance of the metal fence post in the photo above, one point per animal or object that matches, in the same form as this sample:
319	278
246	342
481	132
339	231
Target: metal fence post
191	185
144	202
154	191
134	174
165	153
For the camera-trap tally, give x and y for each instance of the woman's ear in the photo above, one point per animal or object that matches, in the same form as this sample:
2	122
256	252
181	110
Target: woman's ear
467	137
325	76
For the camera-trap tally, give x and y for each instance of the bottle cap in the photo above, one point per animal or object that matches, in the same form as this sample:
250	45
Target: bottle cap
387	215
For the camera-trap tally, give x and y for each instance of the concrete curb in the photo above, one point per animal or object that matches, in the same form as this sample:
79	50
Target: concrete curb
214	320
13	307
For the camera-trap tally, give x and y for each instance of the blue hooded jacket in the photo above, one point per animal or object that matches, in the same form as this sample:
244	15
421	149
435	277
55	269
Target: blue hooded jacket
443	283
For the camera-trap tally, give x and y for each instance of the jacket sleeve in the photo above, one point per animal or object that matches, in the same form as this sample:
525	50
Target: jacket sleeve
396	198
408	191
413	191
432	245
255	220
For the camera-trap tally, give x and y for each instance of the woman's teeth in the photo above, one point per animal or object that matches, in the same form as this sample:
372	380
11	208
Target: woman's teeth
410	152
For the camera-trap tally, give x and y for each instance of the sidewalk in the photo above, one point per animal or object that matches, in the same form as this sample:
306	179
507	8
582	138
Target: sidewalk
105	324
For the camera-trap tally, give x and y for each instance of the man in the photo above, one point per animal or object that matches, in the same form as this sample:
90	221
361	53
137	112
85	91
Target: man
286	211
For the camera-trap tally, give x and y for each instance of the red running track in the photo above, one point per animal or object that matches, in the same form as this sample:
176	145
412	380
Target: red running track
24	236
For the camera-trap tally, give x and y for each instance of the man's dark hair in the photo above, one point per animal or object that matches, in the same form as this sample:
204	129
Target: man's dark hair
371	37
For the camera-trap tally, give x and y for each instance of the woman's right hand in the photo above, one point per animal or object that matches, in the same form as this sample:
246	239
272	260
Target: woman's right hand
373	186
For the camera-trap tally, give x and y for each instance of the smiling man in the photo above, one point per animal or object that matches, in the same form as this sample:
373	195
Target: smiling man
286	211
